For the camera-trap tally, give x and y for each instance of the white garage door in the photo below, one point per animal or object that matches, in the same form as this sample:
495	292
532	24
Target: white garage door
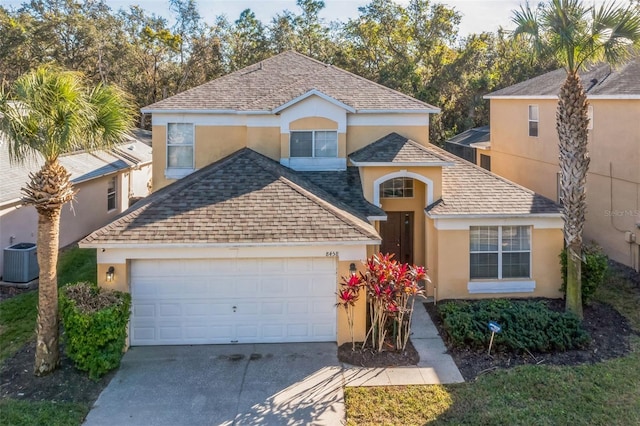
203	301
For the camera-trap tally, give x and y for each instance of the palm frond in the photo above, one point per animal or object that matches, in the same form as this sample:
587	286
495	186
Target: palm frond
51	111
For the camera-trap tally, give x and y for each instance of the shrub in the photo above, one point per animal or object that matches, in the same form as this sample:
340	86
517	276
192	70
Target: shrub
526	326
95	323
594	270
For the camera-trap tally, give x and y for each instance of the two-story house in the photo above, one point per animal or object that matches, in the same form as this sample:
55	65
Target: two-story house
273	182
524	149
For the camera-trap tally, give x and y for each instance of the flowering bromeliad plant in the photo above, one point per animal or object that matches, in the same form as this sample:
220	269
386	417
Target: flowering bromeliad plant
390	287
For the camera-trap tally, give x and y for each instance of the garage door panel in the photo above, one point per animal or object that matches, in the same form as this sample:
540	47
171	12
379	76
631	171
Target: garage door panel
276	300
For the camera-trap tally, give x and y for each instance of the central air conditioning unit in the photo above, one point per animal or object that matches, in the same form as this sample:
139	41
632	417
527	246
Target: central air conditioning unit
20	263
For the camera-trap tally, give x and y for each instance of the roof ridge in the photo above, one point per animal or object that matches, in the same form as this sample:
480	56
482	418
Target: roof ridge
425	149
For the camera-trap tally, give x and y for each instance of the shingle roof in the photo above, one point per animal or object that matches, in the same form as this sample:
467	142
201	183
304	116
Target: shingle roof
282	78
599	80
83	166
346	187
466	138
396	149
245	198
472	190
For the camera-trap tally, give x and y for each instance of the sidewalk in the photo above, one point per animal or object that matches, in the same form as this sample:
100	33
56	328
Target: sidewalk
435	366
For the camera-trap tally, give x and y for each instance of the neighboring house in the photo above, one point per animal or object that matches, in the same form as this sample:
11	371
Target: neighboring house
466	145
292	173
524	149
106	181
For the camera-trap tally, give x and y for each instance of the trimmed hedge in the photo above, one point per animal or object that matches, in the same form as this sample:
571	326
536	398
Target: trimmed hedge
95	326
594	270
526	326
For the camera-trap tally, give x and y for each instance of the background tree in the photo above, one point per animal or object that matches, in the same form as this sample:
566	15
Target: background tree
50	112
578	35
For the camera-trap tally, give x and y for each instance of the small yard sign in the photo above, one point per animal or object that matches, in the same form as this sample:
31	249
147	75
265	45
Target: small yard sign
495	328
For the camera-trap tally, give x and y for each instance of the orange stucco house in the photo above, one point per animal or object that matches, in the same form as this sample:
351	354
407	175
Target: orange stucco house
272	181
524	148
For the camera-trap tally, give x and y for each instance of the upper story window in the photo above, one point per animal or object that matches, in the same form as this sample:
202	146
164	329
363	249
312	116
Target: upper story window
314	144
500	252
180	146
398	188
112	192
533	120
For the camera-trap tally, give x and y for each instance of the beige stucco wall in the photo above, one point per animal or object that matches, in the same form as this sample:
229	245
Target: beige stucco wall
451	275
360	310
159	155
120	277
361	136
265	140
215	142
613	183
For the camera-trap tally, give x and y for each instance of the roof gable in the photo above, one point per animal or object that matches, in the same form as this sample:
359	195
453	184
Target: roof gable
244	199
272	83
398	150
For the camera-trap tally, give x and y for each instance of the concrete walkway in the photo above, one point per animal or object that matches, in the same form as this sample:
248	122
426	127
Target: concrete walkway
435	367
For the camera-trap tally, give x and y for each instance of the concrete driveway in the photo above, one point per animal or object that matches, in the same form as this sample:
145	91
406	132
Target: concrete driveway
266	384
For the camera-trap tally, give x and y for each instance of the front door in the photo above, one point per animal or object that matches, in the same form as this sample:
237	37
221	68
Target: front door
397	236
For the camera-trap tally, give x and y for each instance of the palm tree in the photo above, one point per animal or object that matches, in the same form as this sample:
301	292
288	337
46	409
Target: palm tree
50	112
578	36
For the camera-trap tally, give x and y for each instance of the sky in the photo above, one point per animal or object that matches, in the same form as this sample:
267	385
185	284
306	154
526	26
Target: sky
477	15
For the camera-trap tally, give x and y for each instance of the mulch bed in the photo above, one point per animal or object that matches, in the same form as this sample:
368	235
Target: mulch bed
609	332
65	384
367	357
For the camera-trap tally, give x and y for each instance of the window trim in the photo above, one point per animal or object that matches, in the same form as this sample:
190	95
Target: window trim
173	171
531	120
404	179
313	142
500	253
112	194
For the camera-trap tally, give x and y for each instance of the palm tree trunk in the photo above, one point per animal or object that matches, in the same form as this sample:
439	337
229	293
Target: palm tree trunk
48	190
47	352
572	122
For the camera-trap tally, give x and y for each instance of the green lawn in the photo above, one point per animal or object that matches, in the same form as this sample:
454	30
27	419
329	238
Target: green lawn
41	413
607	393
17	327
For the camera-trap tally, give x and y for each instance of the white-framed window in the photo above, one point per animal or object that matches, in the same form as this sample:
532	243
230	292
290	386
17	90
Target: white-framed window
500	252
401	187
314	144
590	117
180	146
112	193
533	120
